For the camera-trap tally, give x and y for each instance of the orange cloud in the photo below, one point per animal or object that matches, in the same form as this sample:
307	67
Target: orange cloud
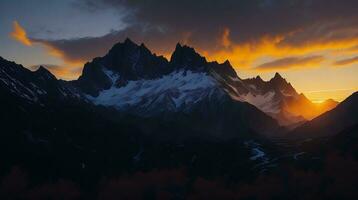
19	34
72	68
245	55
290	62
225	40
60	54
353	49
346	61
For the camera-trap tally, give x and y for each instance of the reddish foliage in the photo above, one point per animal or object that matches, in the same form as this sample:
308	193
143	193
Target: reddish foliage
59	190
14	184
156	184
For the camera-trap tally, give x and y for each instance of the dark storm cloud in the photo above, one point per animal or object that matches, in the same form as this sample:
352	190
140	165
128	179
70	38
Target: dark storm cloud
85	49
246	19
206	20
78	50
202	23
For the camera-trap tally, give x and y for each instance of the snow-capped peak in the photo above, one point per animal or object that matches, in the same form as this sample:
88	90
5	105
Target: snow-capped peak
182	87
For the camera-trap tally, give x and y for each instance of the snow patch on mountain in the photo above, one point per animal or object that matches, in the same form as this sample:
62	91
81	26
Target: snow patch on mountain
181	86
264	102
111	75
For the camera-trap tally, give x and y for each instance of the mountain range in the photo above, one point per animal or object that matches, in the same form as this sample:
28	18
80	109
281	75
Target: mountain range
133	80
133	111
146	79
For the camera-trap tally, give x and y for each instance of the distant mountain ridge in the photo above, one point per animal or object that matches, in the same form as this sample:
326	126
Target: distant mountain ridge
38	87
133	80
344	116
282	100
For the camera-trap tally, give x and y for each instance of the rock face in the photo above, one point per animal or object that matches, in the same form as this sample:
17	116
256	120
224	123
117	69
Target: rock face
130	61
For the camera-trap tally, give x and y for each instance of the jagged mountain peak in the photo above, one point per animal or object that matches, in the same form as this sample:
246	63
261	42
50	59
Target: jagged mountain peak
225	69
178	46
42	71
41	68
281	84
258	78
278	79
278	76
144	47
226	62
185	49
125	60
128	48
128	41
122	47
186	57
133	61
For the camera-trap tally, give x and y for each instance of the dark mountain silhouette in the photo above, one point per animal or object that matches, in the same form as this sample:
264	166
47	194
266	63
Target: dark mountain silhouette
344	116
39	87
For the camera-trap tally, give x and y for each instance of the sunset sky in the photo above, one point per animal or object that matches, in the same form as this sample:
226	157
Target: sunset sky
312	43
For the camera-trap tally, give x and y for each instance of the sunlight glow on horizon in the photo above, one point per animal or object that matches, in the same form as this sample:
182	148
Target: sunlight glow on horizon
335	94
